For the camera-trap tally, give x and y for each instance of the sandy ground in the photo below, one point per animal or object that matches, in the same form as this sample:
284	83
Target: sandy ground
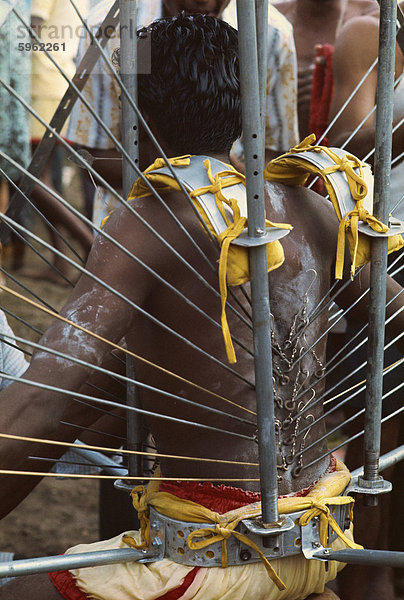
56	515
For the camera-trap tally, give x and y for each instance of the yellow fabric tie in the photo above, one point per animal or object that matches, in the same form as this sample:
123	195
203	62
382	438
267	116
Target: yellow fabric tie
308	143
221	180
350	221
292	170
233	260
180	509
234	229
349	224
325	492
222	532
319	508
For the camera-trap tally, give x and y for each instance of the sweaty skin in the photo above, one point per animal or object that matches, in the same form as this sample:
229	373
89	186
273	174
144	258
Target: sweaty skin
309	247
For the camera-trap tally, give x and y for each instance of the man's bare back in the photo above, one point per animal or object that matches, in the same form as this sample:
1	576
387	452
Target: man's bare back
309	251
307	268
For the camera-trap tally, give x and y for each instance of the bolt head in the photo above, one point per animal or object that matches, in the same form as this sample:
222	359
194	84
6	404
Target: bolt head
245	555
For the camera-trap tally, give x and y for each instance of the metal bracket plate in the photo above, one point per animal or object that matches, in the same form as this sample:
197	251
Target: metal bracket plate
311	539
271	234
257	527
358	485
395	226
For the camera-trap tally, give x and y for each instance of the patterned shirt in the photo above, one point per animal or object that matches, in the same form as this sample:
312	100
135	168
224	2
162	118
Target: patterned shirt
15	70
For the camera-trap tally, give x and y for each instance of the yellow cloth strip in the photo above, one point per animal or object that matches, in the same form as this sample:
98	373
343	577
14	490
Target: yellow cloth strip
229	256
295	171
21	438
117	347
220	181
225	240
324	494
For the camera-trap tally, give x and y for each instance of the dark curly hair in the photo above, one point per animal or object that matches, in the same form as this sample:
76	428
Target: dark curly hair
193	91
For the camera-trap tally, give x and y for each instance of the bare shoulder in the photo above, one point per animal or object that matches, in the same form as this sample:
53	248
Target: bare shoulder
361	7
357	47
358	40
156	230
135	223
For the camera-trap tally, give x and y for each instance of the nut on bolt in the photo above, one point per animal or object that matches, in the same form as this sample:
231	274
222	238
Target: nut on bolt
157	541
245	555
316	544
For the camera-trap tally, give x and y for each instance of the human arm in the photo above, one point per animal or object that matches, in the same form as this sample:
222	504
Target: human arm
75	421
281	127
29	410
355	51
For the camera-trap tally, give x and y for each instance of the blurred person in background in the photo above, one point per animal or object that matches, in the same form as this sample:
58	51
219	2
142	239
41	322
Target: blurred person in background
58	27
15	70
316	25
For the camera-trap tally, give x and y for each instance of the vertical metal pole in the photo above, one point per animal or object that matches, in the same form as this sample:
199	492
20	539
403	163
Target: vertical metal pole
258	263
261	7
130	134
383	146
130	126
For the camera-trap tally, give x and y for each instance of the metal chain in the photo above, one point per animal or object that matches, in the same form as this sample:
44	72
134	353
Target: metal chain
284	357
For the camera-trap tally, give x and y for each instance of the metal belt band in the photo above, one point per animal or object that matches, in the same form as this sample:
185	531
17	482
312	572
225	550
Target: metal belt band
169	537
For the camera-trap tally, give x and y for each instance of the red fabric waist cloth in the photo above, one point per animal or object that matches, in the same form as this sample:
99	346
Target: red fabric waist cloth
223	498
219	498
